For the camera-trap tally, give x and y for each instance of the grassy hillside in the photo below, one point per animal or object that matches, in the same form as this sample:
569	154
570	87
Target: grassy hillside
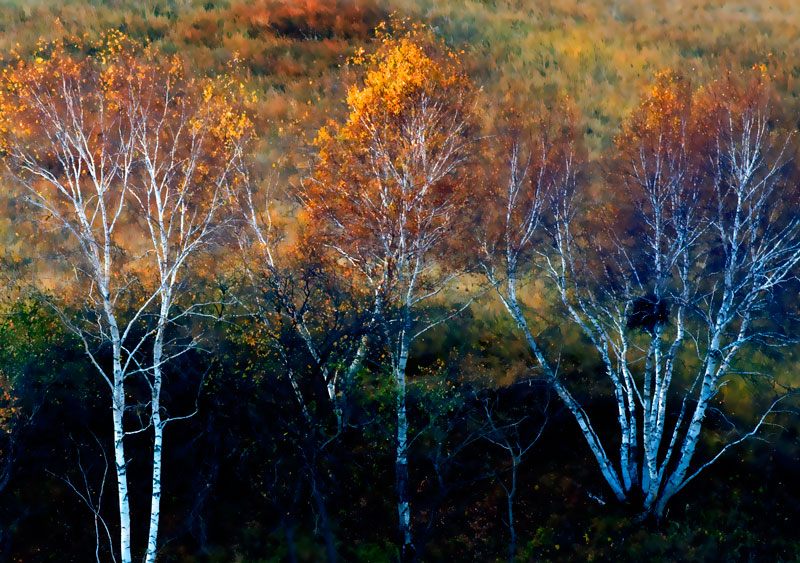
293	53
599	53
602	54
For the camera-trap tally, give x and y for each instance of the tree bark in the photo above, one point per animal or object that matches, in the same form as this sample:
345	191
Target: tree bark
118	411
401	462
574	407
158	436
118	414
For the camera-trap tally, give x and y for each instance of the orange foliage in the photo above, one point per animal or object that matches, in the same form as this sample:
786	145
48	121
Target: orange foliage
734	94
46	101
203	29
74	123
672	114
390	181
531	148
676	125
669	141
8	409
661	117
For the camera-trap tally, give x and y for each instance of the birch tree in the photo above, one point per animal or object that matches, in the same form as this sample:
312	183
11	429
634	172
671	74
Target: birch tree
299	287
671	294
385	197
69	146
190	139
119	151
301	302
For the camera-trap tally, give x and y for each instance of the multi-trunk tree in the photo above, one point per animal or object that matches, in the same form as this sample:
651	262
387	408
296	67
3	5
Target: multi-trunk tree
130	163
673	284
190	144
386	197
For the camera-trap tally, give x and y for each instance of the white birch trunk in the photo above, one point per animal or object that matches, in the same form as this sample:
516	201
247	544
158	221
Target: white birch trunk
676	479
401	460
118	415
158	433
120	463
592	439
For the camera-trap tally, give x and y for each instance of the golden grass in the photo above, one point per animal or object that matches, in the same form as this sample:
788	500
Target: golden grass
602	53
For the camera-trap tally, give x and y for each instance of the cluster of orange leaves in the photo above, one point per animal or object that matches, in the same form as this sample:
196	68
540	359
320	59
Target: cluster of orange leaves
8	405
673	113
409	73
399	72
112	86
675	129
119	75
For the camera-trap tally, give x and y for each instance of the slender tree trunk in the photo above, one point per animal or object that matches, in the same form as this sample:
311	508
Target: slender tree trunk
118	415
592	439
512	544
401	462
335	402
155	498
158	433
625	444
118	411
346	385
327	377
633	436
676	479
